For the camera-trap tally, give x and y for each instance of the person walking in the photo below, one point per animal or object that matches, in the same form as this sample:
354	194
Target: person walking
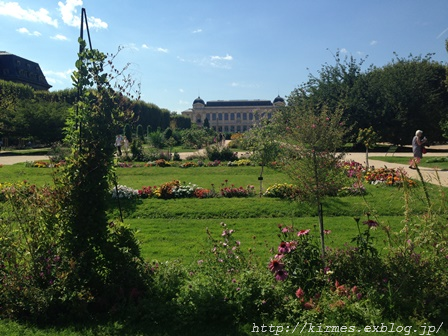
417	148
118	143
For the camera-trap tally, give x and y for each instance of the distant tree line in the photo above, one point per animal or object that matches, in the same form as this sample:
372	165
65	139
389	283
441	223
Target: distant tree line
39	117
395	100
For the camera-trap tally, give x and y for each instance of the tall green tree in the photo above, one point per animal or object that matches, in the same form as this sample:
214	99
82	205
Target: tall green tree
104	255
406	95
311	140
263	144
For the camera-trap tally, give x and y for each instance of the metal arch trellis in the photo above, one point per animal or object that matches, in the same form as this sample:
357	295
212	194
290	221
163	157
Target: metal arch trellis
81	36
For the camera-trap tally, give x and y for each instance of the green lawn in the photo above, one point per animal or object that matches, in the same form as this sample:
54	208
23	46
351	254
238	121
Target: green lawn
439	162
176	229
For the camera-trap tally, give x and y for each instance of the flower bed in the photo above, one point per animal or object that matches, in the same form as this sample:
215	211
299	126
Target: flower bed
389	177
282	190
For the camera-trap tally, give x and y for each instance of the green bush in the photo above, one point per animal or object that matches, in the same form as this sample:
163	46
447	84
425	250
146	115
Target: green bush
221	153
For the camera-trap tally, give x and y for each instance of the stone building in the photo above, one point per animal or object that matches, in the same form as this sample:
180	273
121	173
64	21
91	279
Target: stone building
20	70
230	116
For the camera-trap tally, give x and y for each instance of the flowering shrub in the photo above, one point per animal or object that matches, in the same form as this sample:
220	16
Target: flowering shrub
147	192
356	189
162	163
298	259
204	193
242	162
352	168
184	190
122	191
389	176
238	192
282	190
214	163
188	164
165	191
125	165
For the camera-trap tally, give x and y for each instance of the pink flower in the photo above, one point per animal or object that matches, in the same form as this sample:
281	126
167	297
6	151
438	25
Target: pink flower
275	265
292	245
303	232
300	293
327	231
284	248
281	275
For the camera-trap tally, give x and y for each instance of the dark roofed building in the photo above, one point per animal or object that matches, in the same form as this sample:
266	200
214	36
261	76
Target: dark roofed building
231	115
20	70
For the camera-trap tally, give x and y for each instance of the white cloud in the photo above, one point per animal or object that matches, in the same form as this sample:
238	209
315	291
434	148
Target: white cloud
343	51
27	32
159	49
197	31
59	37
221	58
220	61
59	74
71	17
59	78
181	90
13	9
373	42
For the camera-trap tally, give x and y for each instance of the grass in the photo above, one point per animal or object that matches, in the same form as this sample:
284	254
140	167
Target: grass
176	229
434	162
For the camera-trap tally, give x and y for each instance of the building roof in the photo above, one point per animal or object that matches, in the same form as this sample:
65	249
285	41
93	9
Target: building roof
20	70
230	103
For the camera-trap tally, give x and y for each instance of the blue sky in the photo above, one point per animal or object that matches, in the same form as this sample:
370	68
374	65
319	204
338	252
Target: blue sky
222	49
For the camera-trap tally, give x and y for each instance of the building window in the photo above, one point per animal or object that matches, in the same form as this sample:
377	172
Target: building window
208	116
244	128
269	115
238	116
226	129
232	129
251	116
244	116
226	116
238	128
232	116
213	116
220	116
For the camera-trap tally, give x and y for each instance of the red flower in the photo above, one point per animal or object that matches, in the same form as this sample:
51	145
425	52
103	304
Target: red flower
300	293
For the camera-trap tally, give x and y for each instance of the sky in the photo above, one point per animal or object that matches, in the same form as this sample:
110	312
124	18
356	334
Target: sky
221	49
